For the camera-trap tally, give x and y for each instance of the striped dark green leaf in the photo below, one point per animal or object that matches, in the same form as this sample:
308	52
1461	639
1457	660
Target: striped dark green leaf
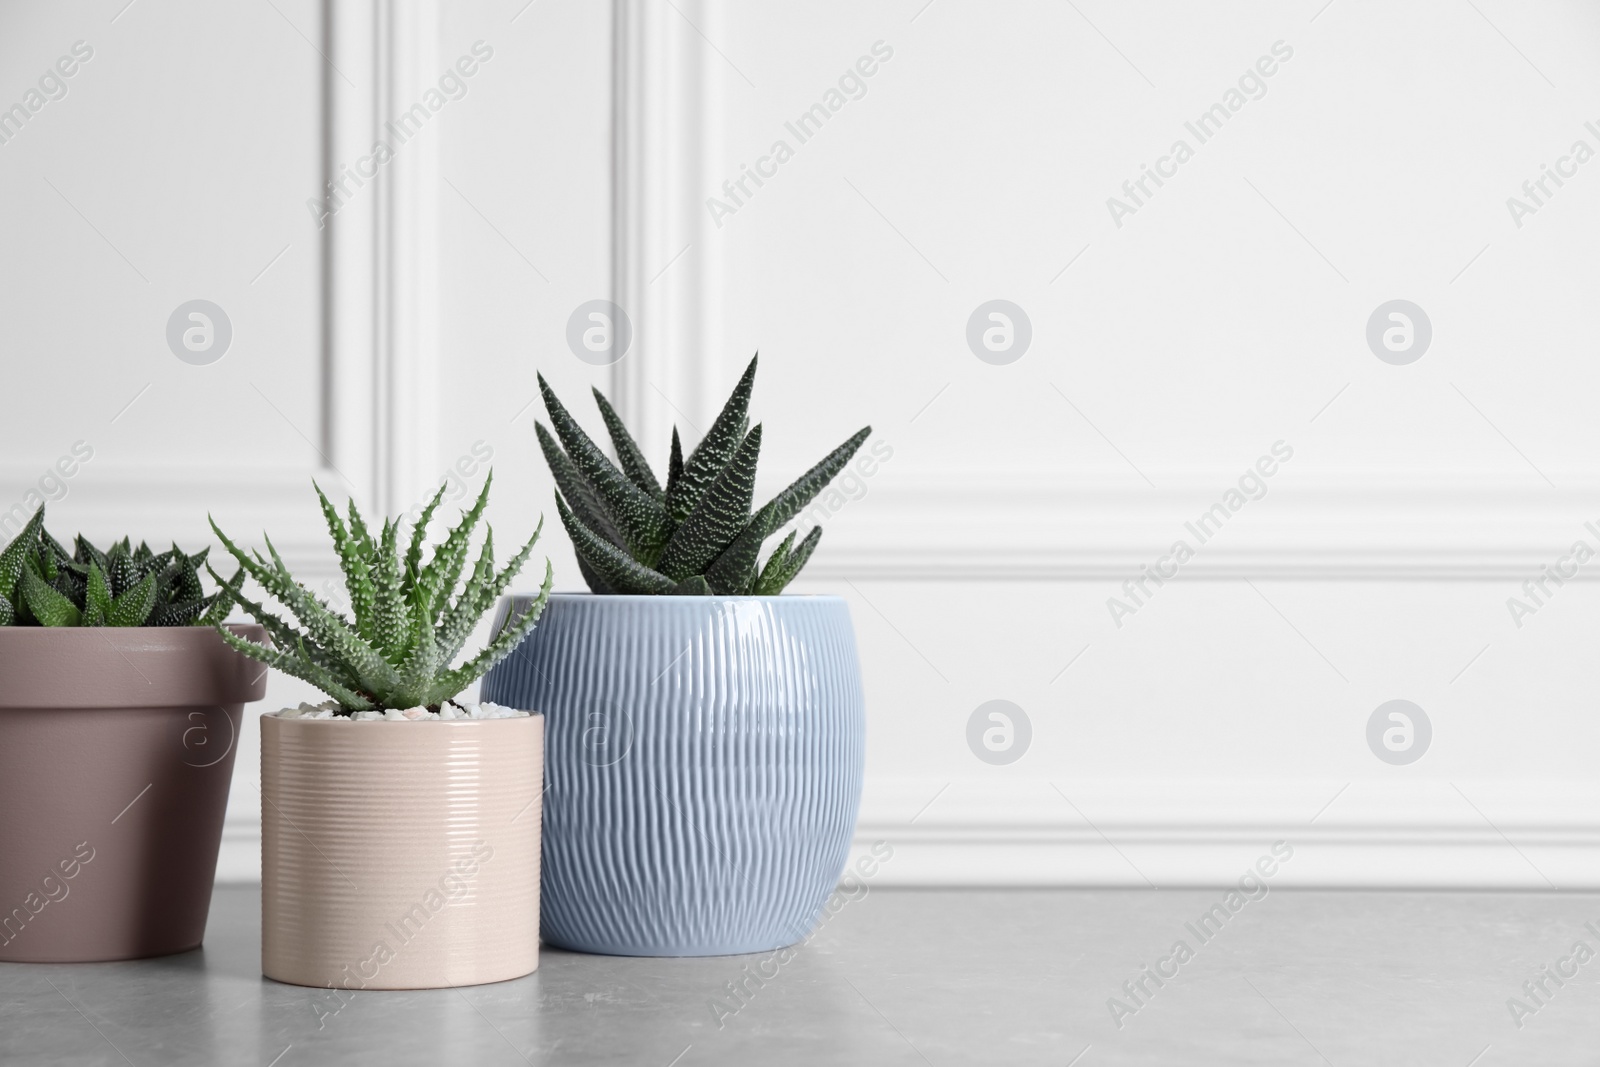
620	571
733	573
697	535
633	462
787	504
719	516
781	570
575	487
11	559
774	565
638	516
674	463
714	451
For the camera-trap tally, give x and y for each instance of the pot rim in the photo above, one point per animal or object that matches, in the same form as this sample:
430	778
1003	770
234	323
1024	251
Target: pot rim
103	667
275	717
244	629
673	598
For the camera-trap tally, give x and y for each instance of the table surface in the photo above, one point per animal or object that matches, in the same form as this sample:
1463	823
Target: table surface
899	977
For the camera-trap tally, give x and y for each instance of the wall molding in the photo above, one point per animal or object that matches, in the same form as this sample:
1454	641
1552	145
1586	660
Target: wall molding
1055	526
666	135
107	500
1169	834
376	438
382	251
1018	529
1396	832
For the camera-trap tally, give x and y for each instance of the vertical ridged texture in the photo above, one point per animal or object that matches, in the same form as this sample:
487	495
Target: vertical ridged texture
704	759
400	855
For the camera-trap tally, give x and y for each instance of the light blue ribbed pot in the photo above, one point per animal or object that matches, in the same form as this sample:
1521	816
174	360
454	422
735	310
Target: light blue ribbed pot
703	761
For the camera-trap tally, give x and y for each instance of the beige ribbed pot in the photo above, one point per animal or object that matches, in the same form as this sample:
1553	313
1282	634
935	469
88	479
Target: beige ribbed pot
400	855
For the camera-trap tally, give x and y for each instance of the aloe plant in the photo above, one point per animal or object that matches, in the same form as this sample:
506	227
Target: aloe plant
409	622
697	535
42	584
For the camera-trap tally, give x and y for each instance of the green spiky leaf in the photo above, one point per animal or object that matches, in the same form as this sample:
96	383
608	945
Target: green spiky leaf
419	533
11	560
133	606
397	649
353	562
719	516
218	604
782	567
619	570
391	626
632	460
705	463
638	516
502	645
674	465
702	537
121	586
326	629
787	504
97	597
774	565
296	666
58	552
580	495
46	604
358	557
438	579
85	553
734	571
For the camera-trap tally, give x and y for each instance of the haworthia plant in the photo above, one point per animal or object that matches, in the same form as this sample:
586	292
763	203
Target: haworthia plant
42	584
698	535
409	621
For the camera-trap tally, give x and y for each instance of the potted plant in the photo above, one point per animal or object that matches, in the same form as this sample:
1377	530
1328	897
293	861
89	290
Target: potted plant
118	715
705	735
400	823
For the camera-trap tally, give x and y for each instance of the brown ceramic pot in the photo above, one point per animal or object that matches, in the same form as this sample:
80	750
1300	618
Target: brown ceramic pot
400	855
116	753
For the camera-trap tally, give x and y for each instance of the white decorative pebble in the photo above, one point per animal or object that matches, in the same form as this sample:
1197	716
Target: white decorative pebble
495	711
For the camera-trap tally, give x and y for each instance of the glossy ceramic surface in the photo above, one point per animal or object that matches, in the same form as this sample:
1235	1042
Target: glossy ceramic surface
704	759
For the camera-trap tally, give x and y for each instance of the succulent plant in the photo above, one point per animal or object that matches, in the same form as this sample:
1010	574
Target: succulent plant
409	621
696	536
42	584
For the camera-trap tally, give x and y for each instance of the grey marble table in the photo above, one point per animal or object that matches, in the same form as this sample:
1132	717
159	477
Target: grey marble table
902	977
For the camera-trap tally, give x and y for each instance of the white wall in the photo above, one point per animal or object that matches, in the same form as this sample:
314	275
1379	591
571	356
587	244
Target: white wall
174	168
1225	314
190	143
1168	354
